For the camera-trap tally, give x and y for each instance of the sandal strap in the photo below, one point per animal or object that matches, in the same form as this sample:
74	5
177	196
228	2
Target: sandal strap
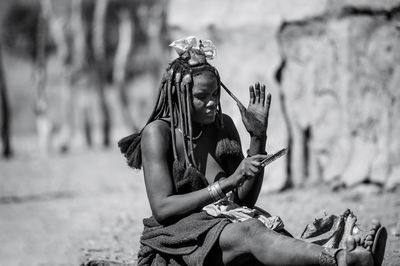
328	257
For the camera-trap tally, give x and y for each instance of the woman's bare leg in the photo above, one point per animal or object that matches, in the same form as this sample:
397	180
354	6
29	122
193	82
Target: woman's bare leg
251	239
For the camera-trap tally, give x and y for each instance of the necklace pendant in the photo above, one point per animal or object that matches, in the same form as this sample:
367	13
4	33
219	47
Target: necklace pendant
188	137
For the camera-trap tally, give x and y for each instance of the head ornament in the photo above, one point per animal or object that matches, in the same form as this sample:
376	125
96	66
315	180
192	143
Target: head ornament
196	51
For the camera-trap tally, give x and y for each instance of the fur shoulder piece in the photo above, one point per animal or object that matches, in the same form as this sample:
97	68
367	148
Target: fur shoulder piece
130	148
227	147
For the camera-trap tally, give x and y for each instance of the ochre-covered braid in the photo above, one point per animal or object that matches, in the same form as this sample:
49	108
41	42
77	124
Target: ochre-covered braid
189	113
182	120
171	108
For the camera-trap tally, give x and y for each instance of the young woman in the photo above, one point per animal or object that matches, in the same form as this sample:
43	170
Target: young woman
201	188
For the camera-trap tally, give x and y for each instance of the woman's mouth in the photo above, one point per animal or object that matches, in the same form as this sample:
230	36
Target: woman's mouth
211	111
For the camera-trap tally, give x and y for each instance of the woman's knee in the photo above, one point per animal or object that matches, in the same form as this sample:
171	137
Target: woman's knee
251	229
238	239
244	233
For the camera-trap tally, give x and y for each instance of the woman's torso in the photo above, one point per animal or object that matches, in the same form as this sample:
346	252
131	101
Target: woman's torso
207	153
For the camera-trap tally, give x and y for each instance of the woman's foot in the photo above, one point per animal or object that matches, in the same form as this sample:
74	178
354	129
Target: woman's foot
354	254
367	251
368	240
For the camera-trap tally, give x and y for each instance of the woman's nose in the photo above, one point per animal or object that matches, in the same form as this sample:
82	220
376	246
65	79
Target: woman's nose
212	102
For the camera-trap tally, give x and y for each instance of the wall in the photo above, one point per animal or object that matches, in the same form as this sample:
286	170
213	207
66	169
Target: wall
321	108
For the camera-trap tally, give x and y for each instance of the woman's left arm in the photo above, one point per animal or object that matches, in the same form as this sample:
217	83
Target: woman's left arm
248	192
255	119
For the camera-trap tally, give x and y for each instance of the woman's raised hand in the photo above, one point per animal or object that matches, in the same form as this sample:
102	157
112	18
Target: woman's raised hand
255	117
248	168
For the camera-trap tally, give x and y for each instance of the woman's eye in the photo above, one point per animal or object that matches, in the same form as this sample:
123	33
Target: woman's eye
201	96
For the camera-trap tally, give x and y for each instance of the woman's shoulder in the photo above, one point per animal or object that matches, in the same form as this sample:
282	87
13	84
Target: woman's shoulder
158	124
156	132
229	127
228	121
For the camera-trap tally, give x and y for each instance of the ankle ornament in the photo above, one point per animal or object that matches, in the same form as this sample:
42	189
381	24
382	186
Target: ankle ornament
328	257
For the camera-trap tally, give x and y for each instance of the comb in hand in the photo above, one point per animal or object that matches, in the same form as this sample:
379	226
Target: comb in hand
274	156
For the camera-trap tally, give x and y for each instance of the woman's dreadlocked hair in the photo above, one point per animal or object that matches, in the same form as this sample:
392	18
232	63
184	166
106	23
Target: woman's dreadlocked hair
174	101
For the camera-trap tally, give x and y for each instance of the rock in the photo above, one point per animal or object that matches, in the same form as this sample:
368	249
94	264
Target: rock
235	14
365	189
274	176
339	82
395	230
360	163
380	167
336	160
393	179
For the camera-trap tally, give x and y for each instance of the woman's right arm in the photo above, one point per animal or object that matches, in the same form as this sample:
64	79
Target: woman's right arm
166	206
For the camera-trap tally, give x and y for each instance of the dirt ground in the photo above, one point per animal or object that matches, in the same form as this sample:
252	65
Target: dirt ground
66	209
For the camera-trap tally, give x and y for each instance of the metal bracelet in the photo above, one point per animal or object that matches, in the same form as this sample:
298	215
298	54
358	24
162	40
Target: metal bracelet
212	192
218	188
215	191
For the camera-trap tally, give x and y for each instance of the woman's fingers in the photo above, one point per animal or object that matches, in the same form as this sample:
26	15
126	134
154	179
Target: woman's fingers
268	101
251	166
251	171
259	157
257	91
262	95
258	95
252	96
256	163
254	169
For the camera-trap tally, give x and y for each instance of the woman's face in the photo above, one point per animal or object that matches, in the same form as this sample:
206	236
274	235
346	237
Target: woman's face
205	98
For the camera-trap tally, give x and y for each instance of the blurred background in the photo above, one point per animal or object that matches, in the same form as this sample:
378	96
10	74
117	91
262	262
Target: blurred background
78	75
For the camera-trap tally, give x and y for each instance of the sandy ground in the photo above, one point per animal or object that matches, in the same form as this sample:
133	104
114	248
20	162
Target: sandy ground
65	209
